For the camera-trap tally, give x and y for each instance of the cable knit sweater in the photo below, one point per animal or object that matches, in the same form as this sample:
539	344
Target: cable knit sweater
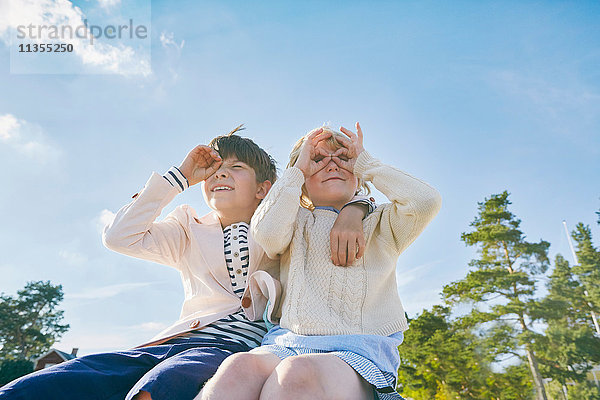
320	298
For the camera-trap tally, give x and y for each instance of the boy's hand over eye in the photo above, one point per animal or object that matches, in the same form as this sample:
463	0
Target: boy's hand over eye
200	163
312	158
347	239
346	156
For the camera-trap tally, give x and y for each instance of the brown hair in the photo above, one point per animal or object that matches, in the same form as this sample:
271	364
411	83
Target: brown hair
305	202
246	151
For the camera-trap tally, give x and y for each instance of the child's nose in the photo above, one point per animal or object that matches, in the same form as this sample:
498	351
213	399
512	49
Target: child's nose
221	173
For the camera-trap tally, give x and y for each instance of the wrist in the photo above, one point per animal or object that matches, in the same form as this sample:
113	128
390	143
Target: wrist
367	204
357	210
184	171
302	168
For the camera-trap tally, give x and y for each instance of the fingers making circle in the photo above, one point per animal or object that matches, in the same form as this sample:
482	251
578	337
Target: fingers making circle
344	141
359	131
354	143
341	153
313	134
348	133
319	137
340	157
321	158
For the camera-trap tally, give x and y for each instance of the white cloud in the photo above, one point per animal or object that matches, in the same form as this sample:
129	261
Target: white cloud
103	57
171	61
105	218
562	99
408	277
9	127
105	292
167	40
73	258
27	139
108	4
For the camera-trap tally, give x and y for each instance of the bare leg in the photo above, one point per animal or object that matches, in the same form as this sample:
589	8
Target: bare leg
240	377
142	395
313	377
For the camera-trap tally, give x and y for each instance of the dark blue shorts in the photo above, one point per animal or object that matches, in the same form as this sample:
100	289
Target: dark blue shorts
175	370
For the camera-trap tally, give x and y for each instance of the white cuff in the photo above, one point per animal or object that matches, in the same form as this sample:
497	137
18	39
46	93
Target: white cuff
176	179
368	201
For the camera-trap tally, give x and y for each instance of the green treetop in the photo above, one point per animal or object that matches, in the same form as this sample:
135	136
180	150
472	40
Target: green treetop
501	286
30	321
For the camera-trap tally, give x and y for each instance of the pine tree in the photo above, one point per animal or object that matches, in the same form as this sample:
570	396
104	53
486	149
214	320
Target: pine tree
588	269
441	360
438	361
501	286
569	349
31	322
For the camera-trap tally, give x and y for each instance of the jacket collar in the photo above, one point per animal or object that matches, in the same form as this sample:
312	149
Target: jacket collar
211	244
209	219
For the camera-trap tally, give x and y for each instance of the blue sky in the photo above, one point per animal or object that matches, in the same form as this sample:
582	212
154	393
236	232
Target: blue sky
472	97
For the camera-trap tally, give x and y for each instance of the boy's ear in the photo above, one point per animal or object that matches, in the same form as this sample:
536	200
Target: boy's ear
263	189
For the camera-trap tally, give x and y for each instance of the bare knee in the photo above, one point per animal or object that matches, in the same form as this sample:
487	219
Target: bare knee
244	365
294	378
240	376
315	376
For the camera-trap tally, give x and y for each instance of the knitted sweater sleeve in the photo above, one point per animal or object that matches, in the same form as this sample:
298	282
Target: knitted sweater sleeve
413	203
273	222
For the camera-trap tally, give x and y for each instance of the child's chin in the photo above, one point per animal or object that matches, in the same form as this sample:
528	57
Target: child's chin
217	204
223	204
332	201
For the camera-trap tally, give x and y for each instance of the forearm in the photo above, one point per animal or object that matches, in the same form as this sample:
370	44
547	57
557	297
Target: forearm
407	192
134	231
273	222
414	203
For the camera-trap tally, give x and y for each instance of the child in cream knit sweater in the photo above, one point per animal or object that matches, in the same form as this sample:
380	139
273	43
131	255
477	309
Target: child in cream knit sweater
340	326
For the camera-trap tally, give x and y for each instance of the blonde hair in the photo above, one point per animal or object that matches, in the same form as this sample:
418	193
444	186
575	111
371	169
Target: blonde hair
305	201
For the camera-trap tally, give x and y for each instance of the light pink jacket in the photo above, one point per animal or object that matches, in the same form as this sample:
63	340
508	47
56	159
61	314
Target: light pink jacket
193	246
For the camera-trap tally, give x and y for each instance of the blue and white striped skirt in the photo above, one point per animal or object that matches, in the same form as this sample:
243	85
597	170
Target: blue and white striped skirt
383	382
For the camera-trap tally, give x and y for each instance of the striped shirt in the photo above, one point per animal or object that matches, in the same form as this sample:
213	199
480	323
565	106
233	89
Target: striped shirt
237	255
235	326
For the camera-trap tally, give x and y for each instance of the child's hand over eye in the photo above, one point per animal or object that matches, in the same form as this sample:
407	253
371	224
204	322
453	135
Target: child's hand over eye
312	158
200	163
346	157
